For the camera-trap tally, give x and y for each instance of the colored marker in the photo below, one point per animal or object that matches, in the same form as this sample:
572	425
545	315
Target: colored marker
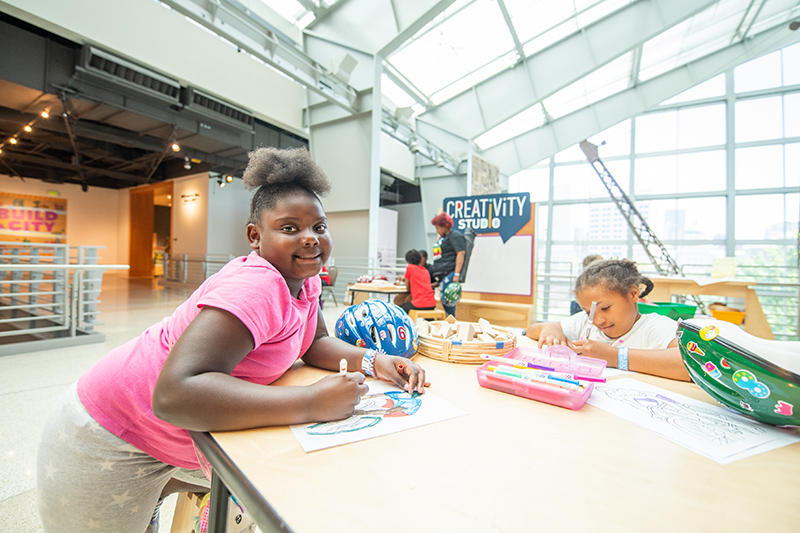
343	366
517	373
591	320
540	374
514	362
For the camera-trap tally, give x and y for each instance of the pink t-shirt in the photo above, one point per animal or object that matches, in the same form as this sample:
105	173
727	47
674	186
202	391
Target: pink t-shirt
118	390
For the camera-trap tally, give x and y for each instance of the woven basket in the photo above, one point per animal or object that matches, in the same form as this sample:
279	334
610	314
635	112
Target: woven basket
467	352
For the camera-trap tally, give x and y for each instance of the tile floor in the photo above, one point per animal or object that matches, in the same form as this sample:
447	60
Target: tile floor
31	383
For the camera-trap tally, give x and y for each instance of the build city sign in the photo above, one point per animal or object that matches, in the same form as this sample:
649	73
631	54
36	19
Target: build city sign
504	214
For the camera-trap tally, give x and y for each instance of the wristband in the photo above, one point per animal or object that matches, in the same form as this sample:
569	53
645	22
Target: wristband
622	358
368	363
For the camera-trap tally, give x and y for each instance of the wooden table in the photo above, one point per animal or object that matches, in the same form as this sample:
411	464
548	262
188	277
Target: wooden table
373	288
755	322
510	464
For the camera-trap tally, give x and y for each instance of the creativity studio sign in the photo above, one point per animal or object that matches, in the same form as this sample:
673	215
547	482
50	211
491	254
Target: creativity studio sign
491	213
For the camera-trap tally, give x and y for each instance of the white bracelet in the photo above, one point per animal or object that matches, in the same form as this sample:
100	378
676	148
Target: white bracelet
368	363
622	358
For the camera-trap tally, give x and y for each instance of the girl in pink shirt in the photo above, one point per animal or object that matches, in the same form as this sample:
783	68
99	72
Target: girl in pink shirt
117	443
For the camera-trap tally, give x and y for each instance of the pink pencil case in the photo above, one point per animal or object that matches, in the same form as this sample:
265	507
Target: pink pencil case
562	359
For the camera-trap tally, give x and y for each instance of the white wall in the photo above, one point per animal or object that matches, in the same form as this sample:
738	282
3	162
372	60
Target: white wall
228	209
98	217
396	158
190	215
350	234
343	150
411	227
152	35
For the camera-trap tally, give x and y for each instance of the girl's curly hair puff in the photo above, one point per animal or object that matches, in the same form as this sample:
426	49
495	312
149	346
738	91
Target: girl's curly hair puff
273	172
618	275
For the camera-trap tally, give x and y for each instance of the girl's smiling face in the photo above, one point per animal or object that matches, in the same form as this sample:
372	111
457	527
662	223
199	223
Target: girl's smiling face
293	236
615	313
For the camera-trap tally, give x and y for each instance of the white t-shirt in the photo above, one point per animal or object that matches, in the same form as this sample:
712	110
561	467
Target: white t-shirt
650	332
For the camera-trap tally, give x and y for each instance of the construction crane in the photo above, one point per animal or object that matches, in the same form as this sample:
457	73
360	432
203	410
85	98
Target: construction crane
658	254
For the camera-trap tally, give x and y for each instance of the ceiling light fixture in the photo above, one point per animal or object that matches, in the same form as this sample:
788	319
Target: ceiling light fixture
28	128
13	140
228	178
176	147
45	114
186	163
413	146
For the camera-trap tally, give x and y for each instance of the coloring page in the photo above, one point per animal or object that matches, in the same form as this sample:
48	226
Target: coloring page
385	409
711	430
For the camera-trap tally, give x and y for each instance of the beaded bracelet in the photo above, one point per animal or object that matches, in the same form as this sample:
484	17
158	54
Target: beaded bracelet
368	363
622	358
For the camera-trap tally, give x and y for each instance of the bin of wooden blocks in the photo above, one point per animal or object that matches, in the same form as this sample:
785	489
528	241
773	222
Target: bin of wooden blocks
463	342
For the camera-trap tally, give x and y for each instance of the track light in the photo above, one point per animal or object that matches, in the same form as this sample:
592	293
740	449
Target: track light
176	147
13	140
45	114
28	128
186	163
221	182
228	178
413	146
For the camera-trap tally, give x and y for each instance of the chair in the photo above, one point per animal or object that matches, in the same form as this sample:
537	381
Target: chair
332	272
434	314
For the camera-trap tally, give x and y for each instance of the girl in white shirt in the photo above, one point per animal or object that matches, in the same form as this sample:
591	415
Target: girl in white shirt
618	334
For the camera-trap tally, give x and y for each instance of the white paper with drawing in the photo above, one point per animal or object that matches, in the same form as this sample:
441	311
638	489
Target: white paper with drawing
384	410
710	430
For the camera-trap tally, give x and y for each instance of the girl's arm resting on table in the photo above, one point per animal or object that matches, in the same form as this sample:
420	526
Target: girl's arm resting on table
195	390
664	362
326	352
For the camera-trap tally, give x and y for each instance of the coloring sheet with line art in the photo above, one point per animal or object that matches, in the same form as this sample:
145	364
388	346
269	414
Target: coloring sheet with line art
710	430
385	409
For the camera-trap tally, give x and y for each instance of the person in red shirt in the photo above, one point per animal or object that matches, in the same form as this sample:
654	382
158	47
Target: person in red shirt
418	281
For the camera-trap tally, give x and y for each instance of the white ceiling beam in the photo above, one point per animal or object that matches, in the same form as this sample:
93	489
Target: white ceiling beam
258	38
510	92
529	148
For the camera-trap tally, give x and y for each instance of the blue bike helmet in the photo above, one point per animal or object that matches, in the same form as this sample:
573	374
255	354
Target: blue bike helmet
378	325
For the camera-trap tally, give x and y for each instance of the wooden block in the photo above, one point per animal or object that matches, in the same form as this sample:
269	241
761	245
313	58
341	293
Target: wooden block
451	319
486	327
422	326
438	332
466	332
483	337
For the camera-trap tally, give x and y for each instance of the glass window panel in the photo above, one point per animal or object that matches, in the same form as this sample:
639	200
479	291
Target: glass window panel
535	17
758	119
701	126
791	65
603	82
767	216
698	254
761	73
570	222
759	167
606	223
791	114
535	181
617	140
572	182
531	118
394	93
573	153
708	89
792	154
542	211
685	218
681	173
698	36
657	132
450	48
768	255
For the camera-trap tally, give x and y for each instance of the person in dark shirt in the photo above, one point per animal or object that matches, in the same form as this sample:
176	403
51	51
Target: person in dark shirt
448	255
424	262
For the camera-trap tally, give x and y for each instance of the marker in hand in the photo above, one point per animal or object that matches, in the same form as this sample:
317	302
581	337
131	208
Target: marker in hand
343	366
